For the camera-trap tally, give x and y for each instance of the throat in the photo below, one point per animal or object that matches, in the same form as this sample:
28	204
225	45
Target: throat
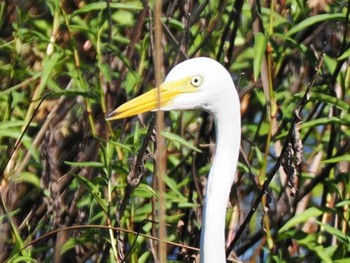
221	177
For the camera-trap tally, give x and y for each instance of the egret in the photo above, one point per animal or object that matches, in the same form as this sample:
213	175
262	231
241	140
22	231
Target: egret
202	83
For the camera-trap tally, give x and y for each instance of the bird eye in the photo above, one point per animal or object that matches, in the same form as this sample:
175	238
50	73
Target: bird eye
196	81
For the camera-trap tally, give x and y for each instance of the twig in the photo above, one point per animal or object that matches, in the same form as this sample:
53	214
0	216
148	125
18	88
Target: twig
137	170
160	153
236	13
70	228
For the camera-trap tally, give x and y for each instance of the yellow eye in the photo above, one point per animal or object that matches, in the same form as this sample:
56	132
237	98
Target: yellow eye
196	81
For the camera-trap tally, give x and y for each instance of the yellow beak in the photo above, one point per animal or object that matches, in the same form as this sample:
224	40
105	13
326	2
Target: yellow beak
149	100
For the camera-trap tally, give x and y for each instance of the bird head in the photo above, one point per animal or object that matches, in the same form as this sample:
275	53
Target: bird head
198	83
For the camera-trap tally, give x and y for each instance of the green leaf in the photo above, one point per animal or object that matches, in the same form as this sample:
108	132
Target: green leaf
13	134
343	203
103	5
187	205
319	250
13	123
259	51
343	260
303	48
123	18
176	138
172	184
174	23
144	190
322	121
309	241
345	55
314	20
68	245
17	258
121	145
85	164
301	218
335	232
342	158
106	71
277	19
340	104
174	219
145	257
28	177
94	191
49	63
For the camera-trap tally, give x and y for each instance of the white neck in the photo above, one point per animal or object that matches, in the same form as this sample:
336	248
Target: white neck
221	177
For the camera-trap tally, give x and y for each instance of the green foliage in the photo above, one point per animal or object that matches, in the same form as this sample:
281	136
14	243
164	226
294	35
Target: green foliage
259	51
64	65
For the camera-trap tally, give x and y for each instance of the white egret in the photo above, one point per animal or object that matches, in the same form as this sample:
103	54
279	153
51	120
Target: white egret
203	83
